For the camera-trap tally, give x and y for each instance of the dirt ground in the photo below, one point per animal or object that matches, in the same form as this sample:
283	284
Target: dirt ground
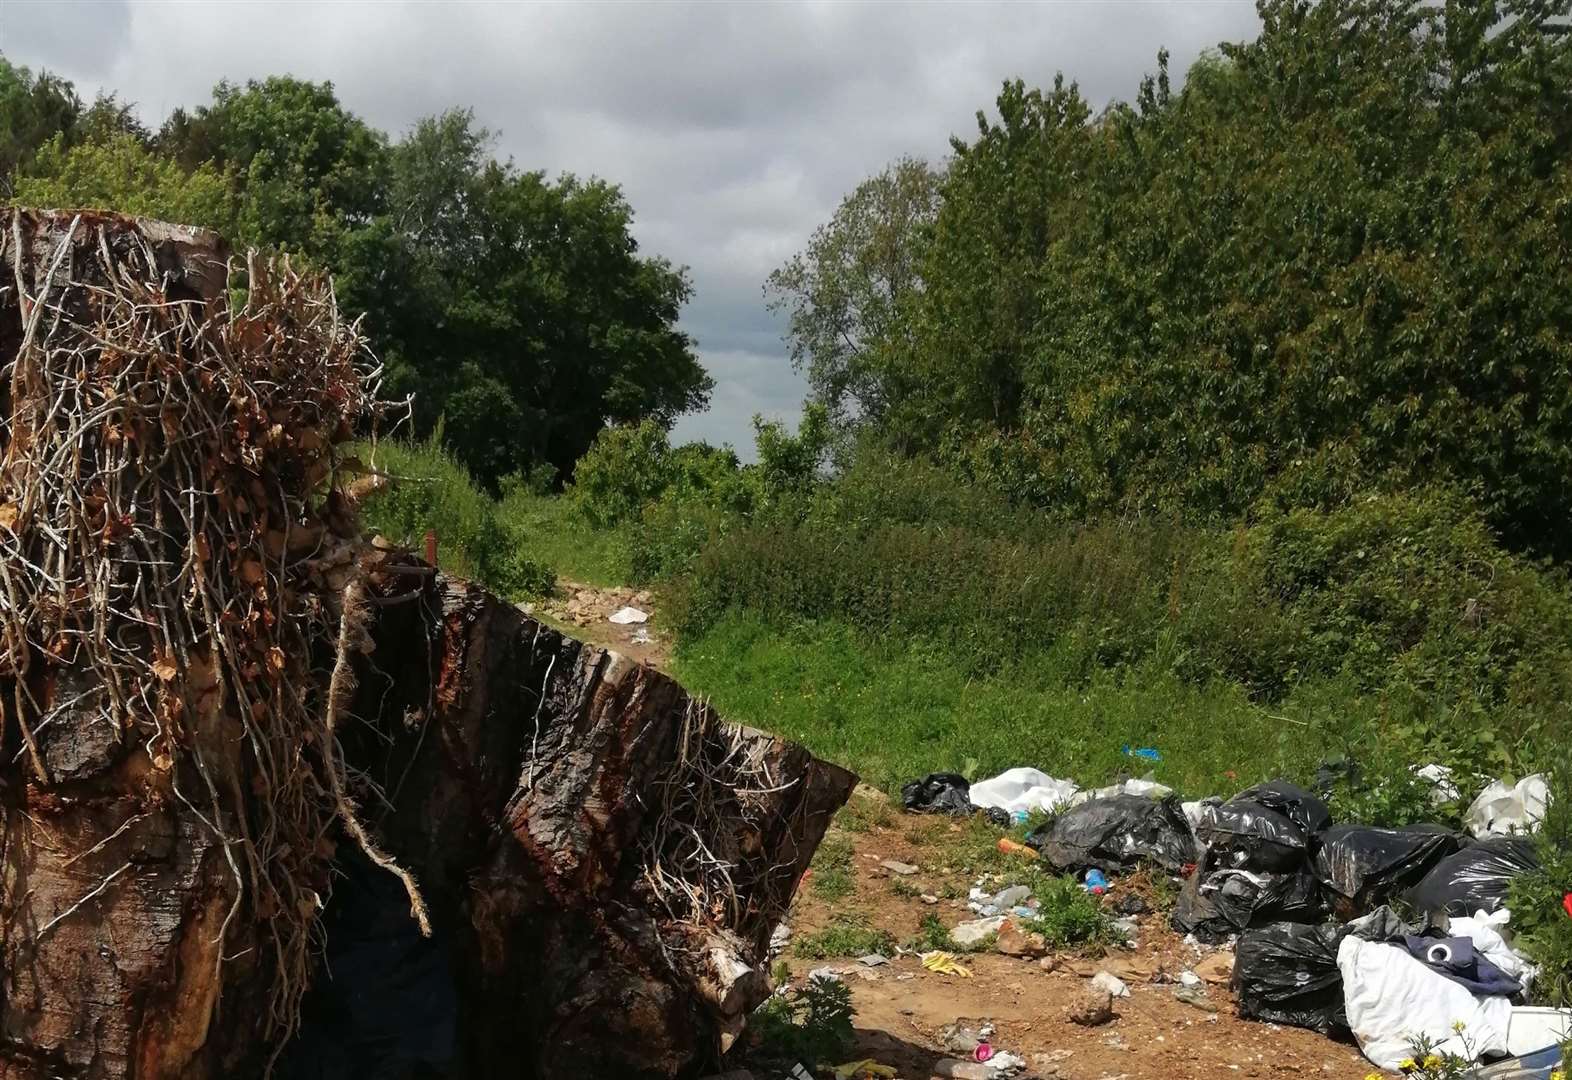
902	1009
585	611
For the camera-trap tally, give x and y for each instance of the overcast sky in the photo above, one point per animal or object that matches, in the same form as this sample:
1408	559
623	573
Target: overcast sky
733	128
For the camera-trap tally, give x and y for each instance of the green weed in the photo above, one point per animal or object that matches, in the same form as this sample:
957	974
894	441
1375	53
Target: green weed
811	1024
847	935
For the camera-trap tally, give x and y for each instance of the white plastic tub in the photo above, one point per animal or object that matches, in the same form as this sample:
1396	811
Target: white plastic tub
1531	1029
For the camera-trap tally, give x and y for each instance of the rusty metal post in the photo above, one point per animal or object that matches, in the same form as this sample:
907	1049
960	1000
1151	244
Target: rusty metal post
431	546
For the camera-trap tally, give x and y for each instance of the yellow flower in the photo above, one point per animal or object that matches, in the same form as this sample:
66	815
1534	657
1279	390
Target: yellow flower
1559	1074
1407	1064
1458	1026
1433	1061
1378	1076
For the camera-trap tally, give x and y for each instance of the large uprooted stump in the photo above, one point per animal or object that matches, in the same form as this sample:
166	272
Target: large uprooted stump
276	799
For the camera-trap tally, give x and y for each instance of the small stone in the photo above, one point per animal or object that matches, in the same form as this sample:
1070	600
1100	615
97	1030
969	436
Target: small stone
1091	1008
929	898
873	960
1195	995
1132	904
951	1069
1012	942
896	867
1048	963
1110	984
1217	968
1134	968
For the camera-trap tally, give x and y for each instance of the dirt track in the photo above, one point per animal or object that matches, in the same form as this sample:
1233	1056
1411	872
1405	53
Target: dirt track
901	1008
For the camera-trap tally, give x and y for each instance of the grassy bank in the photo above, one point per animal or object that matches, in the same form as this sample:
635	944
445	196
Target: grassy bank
895	712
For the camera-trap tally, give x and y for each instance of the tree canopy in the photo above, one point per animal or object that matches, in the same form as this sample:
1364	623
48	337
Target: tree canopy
515	306
1335	260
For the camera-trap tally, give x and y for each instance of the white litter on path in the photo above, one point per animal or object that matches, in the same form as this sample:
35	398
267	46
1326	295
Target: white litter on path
627	616
1022	791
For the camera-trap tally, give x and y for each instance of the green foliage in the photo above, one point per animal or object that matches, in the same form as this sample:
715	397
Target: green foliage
1406	598
1387	793
848	295
120	173
810	1024
625	468
430	489
559	538
1330	262
1068	915
932	936
832	869
517	307
1539	919
848	934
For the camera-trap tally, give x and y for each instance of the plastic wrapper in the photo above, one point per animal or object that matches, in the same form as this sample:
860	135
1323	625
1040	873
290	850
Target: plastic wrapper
1477	878
1215	905
1117	834
1366	866
938	793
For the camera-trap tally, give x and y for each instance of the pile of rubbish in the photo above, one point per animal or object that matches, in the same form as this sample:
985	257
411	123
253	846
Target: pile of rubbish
1309	905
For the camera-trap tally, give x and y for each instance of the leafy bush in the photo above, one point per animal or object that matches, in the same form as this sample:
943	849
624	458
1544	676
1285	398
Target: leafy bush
1539	916
430	489
624	468
1466	648
812	1024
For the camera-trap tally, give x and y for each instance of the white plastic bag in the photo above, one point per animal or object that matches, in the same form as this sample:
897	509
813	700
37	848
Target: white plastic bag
1491	938
1022	791
1392	999
1500	810
1145	788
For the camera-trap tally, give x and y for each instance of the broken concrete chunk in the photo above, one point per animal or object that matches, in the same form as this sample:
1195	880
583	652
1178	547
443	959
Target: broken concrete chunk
1091	1008
969	934
896	867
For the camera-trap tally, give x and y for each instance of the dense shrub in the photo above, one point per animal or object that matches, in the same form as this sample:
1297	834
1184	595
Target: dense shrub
430	489
1538	902
1406	596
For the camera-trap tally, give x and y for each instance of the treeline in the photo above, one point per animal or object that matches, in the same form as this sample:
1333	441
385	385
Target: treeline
1335	261
515	306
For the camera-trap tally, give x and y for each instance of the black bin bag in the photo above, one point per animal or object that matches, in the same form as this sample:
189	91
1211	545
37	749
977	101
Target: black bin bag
1366	866
1287	974
1117	834
1215	905
1477	878
1265	829
938	793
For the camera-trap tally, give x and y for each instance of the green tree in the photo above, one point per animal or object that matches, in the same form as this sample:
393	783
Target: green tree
517	307
311	172
120	173
848	294
33	110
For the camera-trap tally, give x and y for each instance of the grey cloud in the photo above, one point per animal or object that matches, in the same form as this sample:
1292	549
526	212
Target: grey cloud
734	129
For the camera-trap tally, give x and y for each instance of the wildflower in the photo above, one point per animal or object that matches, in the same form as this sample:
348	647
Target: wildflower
1378	1076
1408	1065
1432	1061
1559	1074
1458	1026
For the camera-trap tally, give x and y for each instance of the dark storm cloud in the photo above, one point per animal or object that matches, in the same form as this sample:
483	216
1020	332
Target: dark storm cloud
734	129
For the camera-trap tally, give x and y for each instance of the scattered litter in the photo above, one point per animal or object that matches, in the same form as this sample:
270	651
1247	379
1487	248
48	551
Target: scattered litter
1010	847
1194	995
929	898
1144	752
1456	958
1189	978
1110	984
628	616
1095	883
827	974
944	963
1530	1029
1288	974
964	1036
1266	828
895	866
1502	810
1215	905
1489	934
1132	904
1443	790
873	960
1217	968
866	1068
779	939
983	1052
963	1070
938	793
1019	791
641	636
1144	788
